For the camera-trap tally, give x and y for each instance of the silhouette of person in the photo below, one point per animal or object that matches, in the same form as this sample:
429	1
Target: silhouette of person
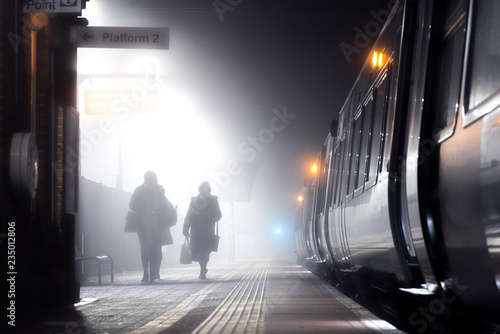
150	204
199	224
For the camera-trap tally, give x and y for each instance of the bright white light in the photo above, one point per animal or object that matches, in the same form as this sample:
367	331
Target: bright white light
178	141
278	231
95	13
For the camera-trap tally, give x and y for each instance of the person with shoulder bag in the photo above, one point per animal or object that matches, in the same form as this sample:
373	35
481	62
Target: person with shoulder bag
199	225
154	215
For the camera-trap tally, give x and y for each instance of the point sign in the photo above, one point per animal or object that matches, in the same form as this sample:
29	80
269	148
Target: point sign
52	6
121	37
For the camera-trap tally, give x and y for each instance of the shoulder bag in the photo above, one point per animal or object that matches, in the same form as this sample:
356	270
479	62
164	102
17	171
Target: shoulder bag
132	222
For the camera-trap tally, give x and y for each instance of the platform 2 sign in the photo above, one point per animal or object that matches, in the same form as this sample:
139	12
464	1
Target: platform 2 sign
52	6
121	37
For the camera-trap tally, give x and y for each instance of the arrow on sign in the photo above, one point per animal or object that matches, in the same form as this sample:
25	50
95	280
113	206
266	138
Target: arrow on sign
86	36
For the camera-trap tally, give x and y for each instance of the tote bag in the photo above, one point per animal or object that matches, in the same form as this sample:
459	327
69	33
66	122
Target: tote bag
215	239
186	252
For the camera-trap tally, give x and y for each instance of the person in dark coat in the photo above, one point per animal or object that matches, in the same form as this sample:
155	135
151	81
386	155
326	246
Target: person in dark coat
150	204
203	213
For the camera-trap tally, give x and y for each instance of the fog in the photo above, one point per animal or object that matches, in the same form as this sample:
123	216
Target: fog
242	98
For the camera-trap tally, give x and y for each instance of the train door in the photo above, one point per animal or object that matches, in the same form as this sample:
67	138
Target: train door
318	219
338	239
403	75
314	193
439	117
300	245
346	156
327	181
332	156
462	94
309	198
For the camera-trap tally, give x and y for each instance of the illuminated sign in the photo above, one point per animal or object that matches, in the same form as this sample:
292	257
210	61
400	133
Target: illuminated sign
52	6
120	101
121	37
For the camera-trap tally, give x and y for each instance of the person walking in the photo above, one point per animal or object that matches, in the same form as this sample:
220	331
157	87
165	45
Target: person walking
199	224
150	205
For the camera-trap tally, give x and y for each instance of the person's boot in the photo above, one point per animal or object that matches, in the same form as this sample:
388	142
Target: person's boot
203	272
145	277
154	275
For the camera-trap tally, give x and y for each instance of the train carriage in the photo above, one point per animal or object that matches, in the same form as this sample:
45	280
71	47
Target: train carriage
407	199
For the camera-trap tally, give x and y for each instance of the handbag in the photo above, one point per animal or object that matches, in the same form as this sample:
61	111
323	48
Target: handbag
170	218
186	252
215	239
132	222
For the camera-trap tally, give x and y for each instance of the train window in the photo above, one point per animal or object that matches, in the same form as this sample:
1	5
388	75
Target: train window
484	62
348	162
309	199
331	176
334	178
322	175
356	141
339	163
447	72
378	129
364	154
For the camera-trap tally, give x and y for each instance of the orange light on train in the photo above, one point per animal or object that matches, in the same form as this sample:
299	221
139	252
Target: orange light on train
314	169
377	59
300	198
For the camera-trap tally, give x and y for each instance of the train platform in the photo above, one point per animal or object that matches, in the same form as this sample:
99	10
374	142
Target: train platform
260	296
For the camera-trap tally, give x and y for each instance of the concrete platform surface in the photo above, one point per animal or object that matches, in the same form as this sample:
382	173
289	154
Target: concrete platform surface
261	296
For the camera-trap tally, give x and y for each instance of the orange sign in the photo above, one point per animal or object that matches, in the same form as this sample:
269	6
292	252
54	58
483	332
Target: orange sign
121	101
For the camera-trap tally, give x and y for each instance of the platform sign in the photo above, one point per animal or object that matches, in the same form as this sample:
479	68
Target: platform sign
52	6
121	101
121	37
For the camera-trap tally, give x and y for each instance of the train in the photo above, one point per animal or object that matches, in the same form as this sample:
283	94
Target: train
404	206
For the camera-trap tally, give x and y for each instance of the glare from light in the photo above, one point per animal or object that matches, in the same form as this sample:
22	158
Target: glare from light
314	169
178	141
300	198
378	324
278	231
95	13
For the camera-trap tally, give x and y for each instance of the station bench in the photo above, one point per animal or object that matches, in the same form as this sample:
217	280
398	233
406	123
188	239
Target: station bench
102	261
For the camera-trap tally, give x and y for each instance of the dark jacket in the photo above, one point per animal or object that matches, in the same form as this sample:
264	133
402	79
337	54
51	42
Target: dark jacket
202	214
150	203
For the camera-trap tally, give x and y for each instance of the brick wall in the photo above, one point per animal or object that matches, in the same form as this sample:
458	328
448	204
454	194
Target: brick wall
7	101
44	234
